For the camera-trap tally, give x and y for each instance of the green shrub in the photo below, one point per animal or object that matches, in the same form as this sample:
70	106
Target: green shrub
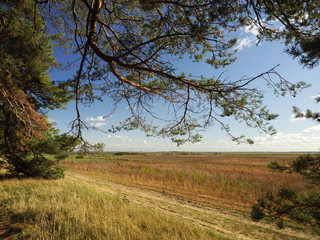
286	203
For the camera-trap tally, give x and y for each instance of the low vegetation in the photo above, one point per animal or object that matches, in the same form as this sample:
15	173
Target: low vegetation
64	209
71	209
229	180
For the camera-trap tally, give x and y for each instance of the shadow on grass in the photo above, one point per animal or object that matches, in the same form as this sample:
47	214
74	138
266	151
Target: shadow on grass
10	226
6	176
9	232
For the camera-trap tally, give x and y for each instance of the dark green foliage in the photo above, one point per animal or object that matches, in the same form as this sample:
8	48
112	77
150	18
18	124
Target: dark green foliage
32	162
308	51
309	167
257	212
54	143
302	207
36	167
308	113
28	60
26	91
286	203
306	165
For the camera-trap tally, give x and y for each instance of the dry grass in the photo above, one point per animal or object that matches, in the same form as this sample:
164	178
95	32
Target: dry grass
67	209
64	209
230	180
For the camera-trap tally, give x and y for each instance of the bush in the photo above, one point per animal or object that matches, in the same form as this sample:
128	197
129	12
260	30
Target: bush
286	203
256	212
37	167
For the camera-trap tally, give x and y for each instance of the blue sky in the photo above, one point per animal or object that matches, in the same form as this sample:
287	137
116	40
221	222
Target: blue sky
293	134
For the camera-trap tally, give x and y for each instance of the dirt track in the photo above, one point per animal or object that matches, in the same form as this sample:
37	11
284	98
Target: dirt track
227	224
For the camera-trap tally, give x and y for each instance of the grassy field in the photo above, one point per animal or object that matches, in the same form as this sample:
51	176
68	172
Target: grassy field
71	209
230	180
64	209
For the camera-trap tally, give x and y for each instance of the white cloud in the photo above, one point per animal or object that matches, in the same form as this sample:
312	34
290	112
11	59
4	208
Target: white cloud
316	96
249	35
98	124
281	142
297	119
97	119
121	137
249	40
128	143
285	142
252	30
312	129
294	119
245	42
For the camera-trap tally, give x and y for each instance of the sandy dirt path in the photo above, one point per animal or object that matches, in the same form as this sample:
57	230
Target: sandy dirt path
227	224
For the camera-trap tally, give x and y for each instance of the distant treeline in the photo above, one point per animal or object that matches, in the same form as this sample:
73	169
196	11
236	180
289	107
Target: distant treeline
188	153
163	153
128	153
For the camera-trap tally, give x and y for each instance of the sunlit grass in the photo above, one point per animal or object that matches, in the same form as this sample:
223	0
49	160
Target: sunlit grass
64	209
234	181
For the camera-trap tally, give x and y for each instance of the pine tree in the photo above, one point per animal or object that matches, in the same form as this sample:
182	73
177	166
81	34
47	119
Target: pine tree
26	89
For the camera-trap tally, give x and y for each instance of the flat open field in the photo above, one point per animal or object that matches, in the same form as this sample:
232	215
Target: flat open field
211	191
227	180
149	196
